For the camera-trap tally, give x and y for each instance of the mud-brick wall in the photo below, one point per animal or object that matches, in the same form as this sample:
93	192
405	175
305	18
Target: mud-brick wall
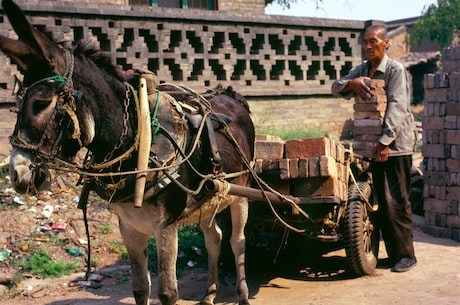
441	148
7	121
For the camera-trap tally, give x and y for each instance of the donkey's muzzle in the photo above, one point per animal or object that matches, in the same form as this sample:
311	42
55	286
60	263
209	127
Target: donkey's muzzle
27	177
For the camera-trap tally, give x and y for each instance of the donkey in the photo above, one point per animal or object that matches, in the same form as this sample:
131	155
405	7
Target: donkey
77	98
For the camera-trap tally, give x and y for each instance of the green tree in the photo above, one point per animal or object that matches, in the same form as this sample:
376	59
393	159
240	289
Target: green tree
439	23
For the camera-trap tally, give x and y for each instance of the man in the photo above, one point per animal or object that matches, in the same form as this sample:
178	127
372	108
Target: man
393	151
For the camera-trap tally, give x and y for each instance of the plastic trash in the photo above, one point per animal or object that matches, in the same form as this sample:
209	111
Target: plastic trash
4	254
96	277
59	226
47	211
191	264
18	200
74	251
197	251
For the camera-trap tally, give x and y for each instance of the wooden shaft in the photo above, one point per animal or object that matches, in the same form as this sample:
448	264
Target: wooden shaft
145	140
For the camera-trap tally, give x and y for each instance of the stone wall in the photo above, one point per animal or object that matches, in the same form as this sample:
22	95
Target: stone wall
441	148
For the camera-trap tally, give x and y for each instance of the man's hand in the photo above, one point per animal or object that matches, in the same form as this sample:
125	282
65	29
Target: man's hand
380	152
359	87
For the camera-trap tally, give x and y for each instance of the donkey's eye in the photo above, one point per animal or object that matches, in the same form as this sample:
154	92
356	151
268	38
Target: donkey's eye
40	105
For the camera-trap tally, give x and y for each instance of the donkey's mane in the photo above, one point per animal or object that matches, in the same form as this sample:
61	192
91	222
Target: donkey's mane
233	94
101	58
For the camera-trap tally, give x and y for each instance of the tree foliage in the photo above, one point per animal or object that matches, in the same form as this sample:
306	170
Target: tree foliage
439	23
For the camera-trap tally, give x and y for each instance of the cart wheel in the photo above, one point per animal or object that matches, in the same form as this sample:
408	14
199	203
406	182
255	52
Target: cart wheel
361	246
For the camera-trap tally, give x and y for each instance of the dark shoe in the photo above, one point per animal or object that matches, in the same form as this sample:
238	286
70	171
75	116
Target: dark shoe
405	264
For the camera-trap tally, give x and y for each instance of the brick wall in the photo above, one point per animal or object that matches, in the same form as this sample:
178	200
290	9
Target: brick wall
254	7
283	65
327	115
7	122
441	148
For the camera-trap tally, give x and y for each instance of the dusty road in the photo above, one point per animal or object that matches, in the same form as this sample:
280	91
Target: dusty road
435	280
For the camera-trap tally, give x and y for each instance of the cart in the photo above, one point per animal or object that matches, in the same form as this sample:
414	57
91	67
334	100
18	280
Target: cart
320	191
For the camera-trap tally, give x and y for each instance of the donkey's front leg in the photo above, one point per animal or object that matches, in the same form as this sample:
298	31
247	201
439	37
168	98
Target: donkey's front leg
239	215
136	243
167	248
213	240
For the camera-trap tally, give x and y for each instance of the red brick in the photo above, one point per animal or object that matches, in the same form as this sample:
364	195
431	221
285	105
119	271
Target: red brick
453	108
377	130
313	167
453	192
452	136
432	123
368	115
282	186
306	148
269	150
318	186
369	107
270	165
367	123
372	138
436	178
453	221
440	206
453	165
327	167
433	150
303	168
377	83
293	168
375	99
437	231
258	166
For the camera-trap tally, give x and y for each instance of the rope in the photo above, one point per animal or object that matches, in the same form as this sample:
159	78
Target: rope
369	206
217	200
155	121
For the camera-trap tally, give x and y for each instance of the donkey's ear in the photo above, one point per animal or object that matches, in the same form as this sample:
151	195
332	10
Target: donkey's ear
18	51
40	48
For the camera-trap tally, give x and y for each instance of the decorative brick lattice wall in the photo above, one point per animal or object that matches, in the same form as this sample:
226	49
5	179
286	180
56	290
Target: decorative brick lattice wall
441	148
283	65
257	55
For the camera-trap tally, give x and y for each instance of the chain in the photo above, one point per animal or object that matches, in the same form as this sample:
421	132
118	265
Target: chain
125	127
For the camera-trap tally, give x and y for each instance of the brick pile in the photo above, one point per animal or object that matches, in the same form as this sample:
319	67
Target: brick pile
312	167
441	148
368	119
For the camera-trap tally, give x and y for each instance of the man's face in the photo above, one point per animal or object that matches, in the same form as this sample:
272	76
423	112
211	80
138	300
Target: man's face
374	46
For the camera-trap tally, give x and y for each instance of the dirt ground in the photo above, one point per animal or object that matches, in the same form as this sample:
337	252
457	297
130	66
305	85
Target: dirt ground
435	280
297	279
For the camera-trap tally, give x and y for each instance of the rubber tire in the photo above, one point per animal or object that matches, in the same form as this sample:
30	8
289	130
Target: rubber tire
359	235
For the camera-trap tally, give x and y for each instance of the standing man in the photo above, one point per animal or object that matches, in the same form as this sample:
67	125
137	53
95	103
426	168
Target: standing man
393	151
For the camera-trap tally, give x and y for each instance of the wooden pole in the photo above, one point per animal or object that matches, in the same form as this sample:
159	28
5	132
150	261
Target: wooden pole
145	140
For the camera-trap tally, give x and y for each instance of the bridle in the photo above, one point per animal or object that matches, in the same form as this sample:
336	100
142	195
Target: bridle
66	104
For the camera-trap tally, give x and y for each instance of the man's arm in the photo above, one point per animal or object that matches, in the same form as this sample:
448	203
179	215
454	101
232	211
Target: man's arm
351	85
397	103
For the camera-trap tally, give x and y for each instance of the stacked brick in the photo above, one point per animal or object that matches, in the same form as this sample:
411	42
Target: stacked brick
441	148
368	119
313	167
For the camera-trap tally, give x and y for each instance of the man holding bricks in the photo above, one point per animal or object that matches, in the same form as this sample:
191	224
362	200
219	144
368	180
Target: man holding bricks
392	150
